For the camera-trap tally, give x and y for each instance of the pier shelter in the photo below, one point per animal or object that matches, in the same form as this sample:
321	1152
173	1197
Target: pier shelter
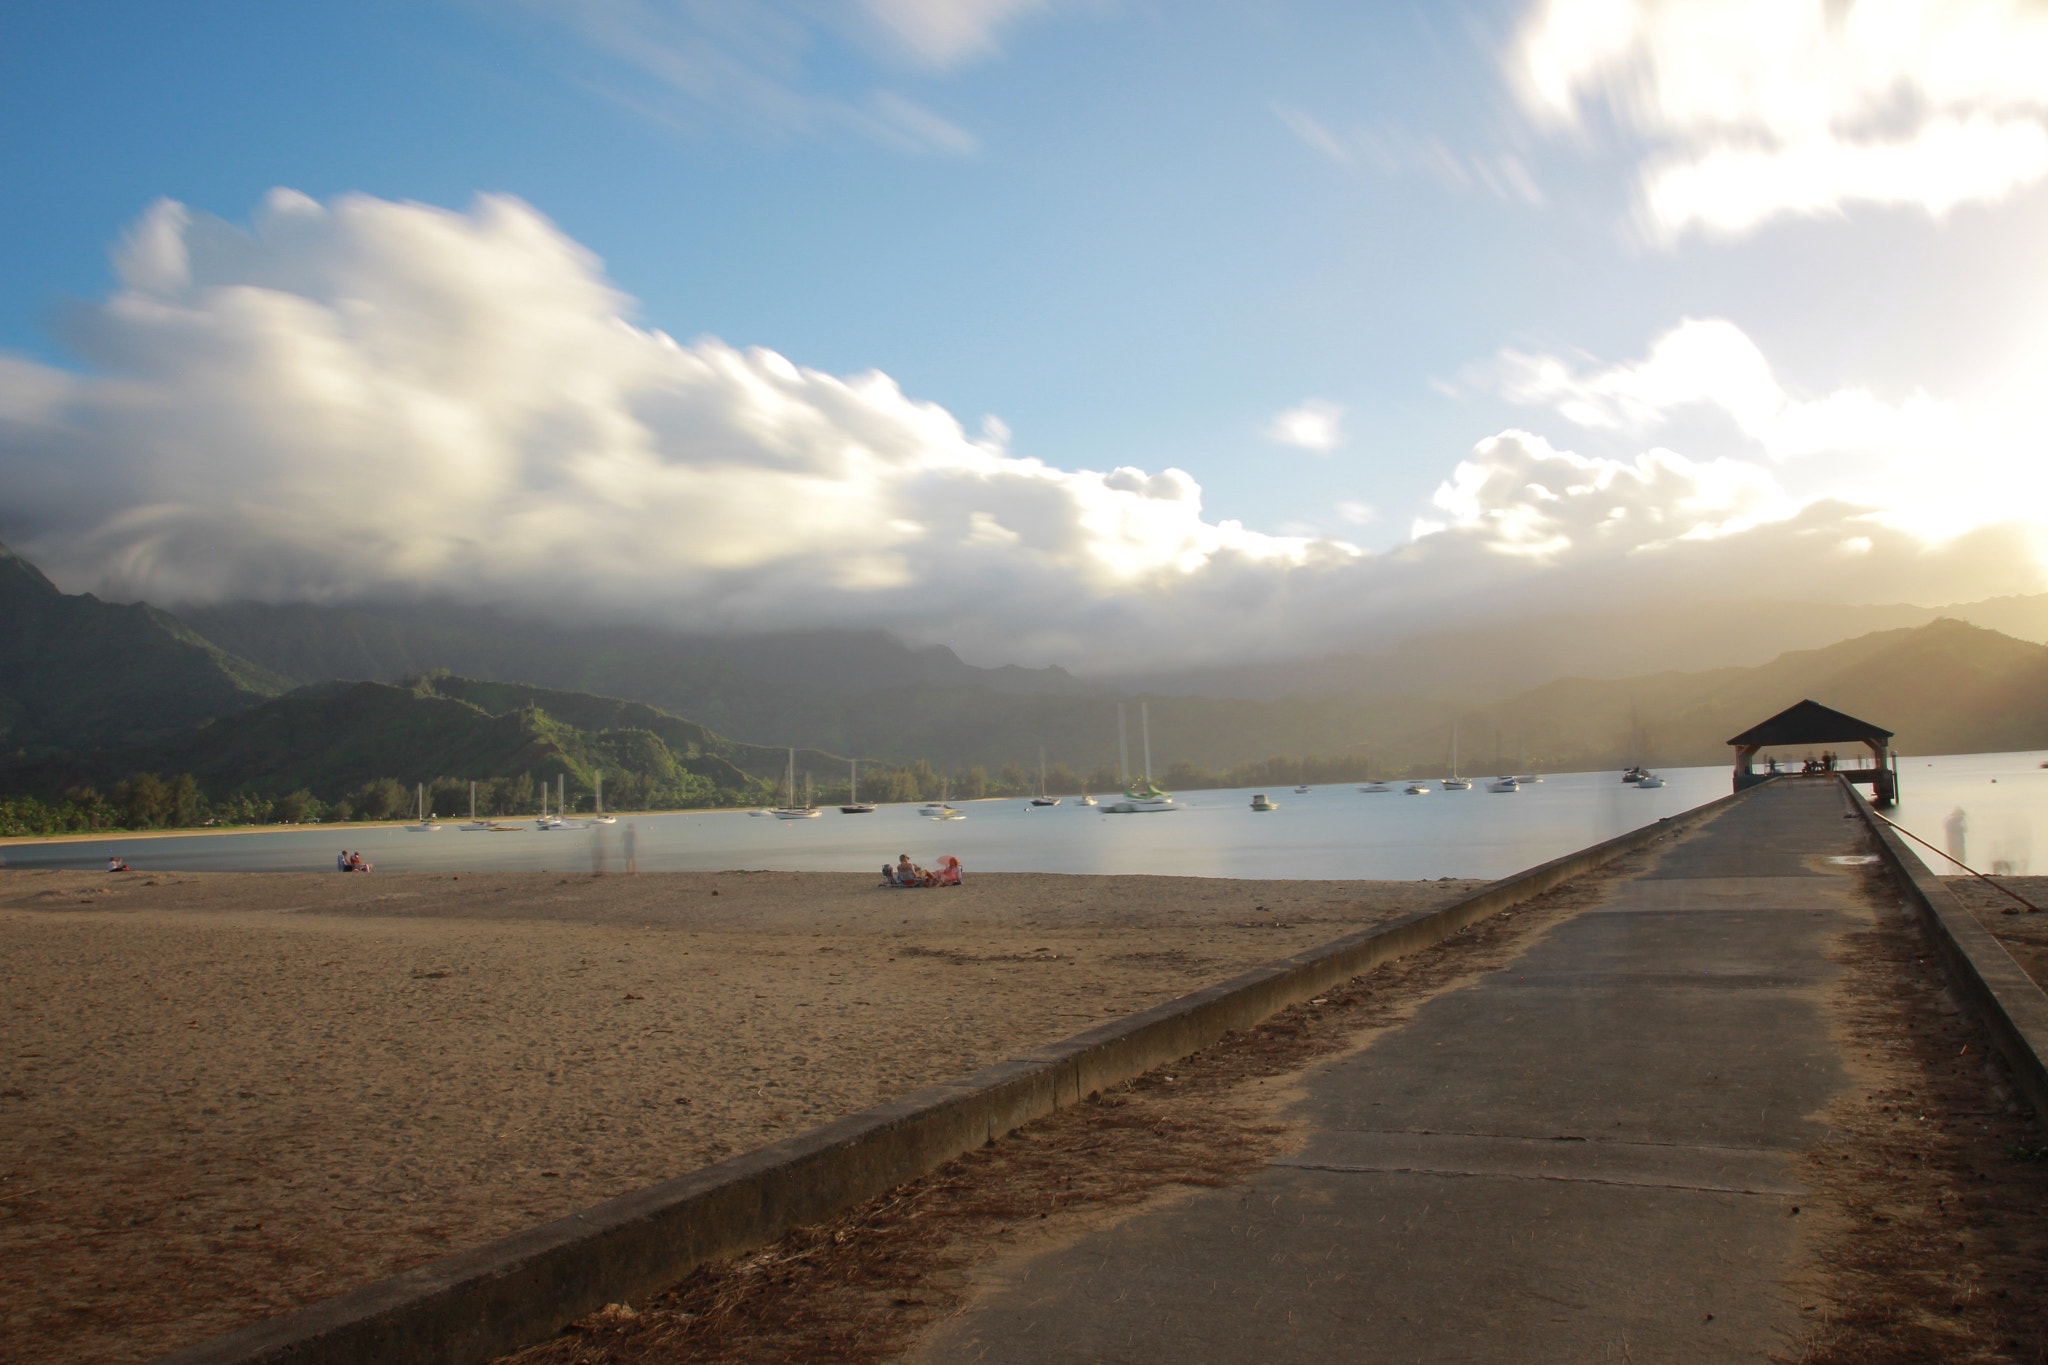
1808	724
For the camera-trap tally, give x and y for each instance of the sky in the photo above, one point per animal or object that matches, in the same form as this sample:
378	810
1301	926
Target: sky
1106	333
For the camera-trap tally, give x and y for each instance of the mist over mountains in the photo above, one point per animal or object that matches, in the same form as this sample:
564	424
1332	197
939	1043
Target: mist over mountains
135	685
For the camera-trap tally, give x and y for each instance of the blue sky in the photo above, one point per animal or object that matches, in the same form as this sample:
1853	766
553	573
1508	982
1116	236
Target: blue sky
1325	259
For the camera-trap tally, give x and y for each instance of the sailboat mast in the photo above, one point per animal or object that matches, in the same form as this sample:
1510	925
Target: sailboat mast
561	781
853	782
1123	749
600	791
472	803
1145	728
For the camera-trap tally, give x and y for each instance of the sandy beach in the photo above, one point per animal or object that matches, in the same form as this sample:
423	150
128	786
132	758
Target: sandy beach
227	1095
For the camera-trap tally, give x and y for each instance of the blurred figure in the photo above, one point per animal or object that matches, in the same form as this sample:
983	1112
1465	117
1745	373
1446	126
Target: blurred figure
632	848
1957	828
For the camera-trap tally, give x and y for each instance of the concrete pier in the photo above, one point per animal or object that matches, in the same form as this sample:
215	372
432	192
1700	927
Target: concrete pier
1584	1156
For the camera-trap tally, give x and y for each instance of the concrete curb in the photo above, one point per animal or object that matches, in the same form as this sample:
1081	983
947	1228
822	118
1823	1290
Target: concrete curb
501	1297
1997	988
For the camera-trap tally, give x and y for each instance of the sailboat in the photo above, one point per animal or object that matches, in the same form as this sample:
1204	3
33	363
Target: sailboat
600	818
426	824
1455	783
556	821
476	826
793	811
1140	798
854	805
1042	799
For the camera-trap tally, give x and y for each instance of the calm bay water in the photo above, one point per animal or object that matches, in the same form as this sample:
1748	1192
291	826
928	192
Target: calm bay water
1332	833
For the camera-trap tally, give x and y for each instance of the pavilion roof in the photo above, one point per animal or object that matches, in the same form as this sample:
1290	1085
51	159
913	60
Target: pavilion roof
1811	723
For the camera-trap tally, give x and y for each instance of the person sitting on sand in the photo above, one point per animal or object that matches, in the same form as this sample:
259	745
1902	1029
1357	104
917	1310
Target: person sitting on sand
114	863
906	871
341	862
948	873
356	864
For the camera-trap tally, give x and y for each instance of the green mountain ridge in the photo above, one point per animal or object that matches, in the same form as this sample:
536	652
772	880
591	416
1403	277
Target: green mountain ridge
78	673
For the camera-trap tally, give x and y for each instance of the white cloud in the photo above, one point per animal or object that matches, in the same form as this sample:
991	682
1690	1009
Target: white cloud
1934	464
1316	425
1776	108
1711	362
1393	150
757	61
370	399
945	33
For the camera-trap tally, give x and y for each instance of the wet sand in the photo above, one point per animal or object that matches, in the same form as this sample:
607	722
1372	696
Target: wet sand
229	1094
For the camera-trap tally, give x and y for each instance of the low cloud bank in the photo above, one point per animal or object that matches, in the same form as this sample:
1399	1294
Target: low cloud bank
371	399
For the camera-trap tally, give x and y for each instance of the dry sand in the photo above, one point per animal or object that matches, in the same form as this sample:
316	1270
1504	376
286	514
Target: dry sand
227	1095
2024	933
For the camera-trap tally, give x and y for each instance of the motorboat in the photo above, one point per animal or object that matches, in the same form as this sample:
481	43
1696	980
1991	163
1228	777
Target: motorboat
1303	791
1649	781
1376	789
1260	802
1087	800
1418	789
941	809
1634	774
1504	784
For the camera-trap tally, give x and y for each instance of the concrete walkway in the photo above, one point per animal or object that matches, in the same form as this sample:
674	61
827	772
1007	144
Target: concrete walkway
1585	1156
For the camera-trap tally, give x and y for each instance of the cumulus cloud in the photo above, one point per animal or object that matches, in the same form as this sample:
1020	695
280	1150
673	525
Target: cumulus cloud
364	399
1756	112
1711	362
1316	425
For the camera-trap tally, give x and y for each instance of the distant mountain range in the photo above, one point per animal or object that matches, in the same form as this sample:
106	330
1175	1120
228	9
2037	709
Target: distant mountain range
79	673
86	686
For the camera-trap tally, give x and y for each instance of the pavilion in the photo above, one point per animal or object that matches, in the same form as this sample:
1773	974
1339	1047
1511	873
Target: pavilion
1808	724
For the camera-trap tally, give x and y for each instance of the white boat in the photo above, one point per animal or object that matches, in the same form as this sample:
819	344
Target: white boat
854	805
793	811
557	820
1376	789
1042	799
941	809
1138	800
1087	800
1260	802
1303	791
476	826
1455	783
1504	784
426	824
1648	781
1418	789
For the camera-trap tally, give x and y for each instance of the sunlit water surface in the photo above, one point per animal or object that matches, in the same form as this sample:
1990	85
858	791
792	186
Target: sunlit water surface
1331	833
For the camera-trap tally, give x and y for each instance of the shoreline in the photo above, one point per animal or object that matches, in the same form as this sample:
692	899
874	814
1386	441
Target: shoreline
198	831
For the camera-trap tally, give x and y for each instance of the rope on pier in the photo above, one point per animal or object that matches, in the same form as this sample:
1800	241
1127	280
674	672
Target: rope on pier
2032	908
